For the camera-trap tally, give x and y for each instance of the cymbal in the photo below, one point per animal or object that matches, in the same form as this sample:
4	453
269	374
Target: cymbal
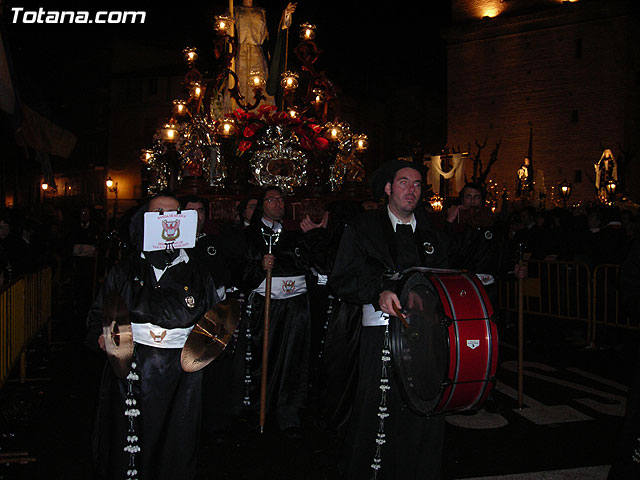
118	337
210	335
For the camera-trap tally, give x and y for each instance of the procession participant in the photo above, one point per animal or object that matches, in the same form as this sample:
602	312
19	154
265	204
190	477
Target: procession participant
338	363
289	331
209	248
219	260
478	243
245	211
165	293
390	239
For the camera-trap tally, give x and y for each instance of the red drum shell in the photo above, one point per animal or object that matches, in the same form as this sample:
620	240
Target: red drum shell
446	360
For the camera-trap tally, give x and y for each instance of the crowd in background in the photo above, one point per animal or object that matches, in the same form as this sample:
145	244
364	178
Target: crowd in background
593	235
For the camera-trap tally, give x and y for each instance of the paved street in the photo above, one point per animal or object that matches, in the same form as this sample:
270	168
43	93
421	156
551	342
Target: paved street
566	428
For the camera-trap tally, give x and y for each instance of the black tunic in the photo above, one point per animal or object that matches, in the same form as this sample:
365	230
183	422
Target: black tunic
169	399
369	249
289	326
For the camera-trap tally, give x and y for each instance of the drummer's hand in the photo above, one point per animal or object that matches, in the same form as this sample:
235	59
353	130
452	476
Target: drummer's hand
101	343
387	300
268	261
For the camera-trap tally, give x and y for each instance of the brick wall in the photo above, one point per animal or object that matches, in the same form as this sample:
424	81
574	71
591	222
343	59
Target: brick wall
562	80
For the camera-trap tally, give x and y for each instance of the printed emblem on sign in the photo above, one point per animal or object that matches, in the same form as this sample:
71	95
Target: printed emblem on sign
170	230
488	235
190	301
288	286
428	248
158	338
473	344
211	250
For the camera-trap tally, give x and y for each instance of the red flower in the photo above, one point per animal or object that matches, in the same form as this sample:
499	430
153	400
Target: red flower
321	143
244	145
240	114
266	109
251	129
305	143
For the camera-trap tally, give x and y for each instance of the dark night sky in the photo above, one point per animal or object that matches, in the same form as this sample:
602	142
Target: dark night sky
368	46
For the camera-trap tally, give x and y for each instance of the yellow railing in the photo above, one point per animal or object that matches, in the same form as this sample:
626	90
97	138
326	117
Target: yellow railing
570	290
25	307
558	289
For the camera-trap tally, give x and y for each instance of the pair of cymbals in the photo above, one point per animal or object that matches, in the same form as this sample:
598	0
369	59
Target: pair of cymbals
206	341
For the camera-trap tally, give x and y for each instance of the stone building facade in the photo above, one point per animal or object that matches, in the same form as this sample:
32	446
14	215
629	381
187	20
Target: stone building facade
564	76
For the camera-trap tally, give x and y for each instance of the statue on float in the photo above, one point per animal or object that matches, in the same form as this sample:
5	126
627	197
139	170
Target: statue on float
606	172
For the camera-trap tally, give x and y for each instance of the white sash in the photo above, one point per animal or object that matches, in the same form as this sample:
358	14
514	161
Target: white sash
159	337
372	317
284	287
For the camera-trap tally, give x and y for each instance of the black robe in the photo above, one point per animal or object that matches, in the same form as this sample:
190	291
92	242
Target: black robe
169	399
368	252
289	326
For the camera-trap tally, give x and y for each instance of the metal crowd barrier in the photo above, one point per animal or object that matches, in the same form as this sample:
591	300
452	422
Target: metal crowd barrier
568	290
25	307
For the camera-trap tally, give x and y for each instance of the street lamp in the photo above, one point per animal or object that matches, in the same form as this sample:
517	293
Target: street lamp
113	188
564	189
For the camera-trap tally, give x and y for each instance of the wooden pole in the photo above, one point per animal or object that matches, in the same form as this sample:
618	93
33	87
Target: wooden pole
265	351
520	334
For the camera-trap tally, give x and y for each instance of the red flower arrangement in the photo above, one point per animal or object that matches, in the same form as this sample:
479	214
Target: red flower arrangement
252	124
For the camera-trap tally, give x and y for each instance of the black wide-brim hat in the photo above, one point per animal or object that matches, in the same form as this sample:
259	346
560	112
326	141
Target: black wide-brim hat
387	171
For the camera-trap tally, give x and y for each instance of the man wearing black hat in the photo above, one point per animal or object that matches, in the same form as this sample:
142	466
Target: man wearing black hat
376	244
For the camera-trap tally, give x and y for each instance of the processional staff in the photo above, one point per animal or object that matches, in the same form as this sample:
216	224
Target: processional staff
270	240
520	330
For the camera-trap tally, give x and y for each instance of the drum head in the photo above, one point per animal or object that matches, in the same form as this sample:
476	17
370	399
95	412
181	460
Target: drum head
420	351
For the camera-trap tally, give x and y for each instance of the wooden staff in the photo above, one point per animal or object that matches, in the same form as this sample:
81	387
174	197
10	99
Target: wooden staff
270	240
520	332
265	350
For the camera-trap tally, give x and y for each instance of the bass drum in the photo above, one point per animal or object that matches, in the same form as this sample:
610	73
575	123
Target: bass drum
445	350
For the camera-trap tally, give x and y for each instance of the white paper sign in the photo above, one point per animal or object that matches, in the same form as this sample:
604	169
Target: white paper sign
170	230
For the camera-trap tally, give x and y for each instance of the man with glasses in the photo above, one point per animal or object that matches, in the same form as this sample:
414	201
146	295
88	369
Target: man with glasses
285	253
390	239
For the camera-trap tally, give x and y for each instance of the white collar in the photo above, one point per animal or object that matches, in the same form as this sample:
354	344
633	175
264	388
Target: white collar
275	225
395	220
182	257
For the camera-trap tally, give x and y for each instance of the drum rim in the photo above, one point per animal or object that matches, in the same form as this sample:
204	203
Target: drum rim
421	407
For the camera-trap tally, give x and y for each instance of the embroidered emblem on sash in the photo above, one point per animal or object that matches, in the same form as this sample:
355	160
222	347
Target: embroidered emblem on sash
488	235
158	338
211	250
428	248
190	301
288	286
